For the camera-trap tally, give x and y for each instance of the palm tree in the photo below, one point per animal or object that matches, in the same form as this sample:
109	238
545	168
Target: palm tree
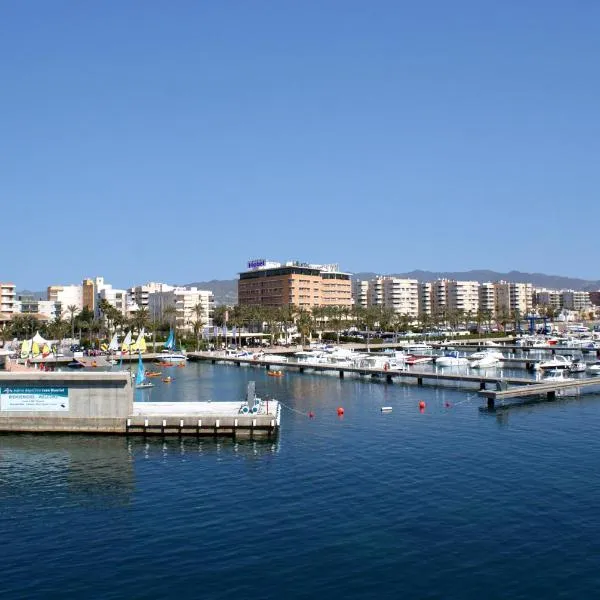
304	324
198	323
72	309
141	318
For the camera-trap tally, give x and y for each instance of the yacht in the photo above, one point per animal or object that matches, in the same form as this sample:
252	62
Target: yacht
451	359
578	366
485	354
489	359
594	369
556	362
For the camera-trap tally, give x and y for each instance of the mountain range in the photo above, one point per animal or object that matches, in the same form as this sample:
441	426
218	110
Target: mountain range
225	290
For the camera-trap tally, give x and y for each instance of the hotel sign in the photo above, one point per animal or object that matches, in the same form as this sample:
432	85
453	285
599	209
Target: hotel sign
255	264
24	399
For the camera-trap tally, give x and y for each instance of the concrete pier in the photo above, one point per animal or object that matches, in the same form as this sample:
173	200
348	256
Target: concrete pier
102	402
75	402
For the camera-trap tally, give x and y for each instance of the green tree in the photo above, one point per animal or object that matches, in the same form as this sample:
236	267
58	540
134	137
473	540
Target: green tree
198	322
72	309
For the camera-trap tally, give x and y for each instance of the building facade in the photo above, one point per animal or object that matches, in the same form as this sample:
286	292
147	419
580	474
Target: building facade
399	295
463	296
360	292
8	297
271	284
183	301
575	300
64	296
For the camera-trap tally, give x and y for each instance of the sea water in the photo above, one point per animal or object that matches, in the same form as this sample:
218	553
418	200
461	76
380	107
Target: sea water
447	502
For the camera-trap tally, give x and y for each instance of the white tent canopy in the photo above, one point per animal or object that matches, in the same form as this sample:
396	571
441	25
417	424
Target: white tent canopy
38	339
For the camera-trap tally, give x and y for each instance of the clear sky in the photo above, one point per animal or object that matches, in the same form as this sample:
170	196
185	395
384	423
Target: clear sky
174	141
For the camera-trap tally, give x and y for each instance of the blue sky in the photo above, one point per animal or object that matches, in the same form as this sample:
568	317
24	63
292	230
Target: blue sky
173	141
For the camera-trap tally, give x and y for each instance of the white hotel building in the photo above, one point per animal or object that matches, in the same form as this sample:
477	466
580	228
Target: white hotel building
184	300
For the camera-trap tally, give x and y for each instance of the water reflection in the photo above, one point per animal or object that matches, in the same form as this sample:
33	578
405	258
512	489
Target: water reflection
151	448
77	470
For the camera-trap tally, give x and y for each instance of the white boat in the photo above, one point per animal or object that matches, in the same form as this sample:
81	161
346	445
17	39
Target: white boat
418	347
379	361
491	359
485	354
594	369
451	359
558	376
578	366
169	353
556	362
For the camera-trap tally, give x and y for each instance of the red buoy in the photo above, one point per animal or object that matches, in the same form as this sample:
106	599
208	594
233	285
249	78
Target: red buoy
340	411
311	415
422	405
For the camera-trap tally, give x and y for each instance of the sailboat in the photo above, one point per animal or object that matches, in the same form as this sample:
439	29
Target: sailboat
169	353
125	347
113	348
141	381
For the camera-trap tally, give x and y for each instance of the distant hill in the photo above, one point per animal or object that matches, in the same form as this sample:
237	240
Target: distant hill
225	290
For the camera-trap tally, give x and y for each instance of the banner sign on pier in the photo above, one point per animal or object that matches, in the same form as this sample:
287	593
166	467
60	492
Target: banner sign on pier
25	399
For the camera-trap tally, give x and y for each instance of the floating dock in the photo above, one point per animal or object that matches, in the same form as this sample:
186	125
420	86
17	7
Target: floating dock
493	387
102	402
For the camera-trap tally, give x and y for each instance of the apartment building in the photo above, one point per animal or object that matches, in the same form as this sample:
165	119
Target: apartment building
575	300
425	298
184	301
544	297
463	296
64	296
269	283
487	298
399	295
360	292
140	294
7	298
513	297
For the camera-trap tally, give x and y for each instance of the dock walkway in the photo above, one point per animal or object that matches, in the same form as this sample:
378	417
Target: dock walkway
482	381
550	389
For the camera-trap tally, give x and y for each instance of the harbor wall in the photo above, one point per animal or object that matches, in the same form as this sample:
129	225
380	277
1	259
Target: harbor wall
96	402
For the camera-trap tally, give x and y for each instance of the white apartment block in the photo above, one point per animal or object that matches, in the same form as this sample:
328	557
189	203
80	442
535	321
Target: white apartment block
115	297
545	297
425	298
463	296
7	298
63	296
521	297
184	300
439	296
575	300
140	294
511	297
400	295
360	292
487	298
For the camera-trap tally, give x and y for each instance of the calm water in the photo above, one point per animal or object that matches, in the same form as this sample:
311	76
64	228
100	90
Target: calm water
449	503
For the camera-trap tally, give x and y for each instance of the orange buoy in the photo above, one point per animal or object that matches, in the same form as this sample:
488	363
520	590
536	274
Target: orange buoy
422	405
340	411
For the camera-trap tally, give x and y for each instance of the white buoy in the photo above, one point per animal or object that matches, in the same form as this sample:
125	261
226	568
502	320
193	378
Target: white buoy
386	409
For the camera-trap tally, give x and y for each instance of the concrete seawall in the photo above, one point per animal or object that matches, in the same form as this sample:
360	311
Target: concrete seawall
97	402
